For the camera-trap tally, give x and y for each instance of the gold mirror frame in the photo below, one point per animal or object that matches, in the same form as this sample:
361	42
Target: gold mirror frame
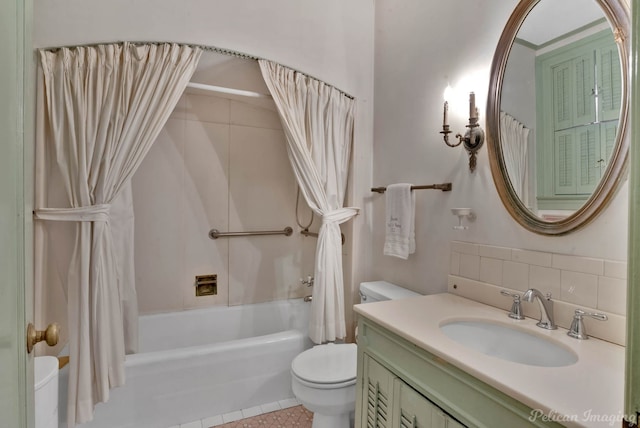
618	15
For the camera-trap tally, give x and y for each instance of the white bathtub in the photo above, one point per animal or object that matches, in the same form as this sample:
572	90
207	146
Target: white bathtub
200	363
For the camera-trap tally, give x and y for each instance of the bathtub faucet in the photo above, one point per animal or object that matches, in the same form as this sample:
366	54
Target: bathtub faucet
308	298
308	282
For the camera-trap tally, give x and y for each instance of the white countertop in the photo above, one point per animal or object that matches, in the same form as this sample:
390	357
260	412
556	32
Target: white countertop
589	393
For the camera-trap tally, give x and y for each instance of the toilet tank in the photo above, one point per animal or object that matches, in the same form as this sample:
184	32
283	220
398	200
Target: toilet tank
376	291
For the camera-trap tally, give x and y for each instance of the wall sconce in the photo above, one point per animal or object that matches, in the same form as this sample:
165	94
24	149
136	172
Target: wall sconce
473	138
462	213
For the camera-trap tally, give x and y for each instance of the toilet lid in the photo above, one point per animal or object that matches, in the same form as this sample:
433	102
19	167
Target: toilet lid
328	363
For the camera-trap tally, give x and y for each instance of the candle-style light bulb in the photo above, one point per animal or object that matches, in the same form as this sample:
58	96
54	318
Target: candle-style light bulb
473	112
444	118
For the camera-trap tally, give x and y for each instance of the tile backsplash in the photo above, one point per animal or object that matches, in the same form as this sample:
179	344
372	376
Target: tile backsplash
478	272
221	163
596	284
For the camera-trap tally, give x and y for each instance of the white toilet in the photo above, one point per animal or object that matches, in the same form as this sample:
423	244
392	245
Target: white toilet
324	377
46	392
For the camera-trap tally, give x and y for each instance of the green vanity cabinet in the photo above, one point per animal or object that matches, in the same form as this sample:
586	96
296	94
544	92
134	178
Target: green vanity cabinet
578	96
403	386
391	403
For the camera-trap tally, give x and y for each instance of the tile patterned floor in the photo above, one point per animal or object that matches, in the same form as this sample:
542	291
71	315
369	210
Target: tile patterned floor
293	417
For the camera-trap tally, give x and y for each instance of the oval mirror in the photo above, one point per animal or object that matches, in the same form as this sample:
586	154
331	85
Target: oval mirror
557	111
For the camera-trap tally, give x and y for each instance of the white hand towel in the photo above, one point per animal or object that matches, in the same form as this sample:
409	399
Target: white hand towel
400	217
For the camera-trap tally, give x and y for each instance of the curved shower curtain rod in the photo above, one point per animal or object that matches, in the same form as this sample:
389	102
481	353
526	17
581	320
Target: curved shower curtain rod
224	90
223	51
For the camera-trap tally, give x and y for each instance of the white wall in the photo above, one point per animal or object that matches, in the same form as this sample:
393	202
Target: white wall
329	39
420	48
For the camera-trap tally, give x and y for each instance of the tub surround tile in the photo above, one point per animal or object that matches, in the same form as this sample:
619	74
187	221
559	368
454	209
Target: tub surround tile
491	270
179	112
532	257
612	295
262	193
490	251
470	266
578	264
206	162
205	108
206	165
252	114
157	284
515	275
219	162
579	288
262	197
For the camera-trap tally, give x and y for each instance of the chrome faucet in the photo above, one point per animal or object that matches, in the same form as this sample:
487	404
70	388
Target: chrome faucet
546	307
516	307
577	329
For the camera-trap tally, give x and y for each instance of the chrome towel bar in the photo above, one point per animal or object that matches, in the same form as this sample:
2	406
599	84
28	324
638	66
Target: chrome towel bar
445	187
215	233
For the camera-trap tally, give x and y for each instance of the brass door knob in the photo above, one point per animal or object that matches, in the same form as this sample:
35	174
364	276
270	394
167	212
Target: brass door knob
50	335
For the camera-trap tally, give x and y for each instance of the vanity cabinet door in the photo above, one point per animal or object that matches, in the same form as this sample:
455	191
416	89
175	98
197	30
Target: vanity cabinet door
412	410
378	391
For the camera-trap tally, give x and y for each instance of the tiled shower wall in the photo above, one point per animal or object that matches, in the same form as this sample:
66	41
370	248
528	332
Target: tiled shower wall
218	163
588	282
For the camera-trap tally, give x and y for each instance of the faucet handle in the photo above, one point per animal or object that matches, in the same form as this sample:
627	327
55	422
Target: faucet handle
577	329
308	282
516	307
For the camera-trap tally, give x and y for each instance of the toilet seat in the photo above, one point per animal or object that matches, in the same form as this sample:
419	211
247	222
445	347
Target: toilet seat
327	366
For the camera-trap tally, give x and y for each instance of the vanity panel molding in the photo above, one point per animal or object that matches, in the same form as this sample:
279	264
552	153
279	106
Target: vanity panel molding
450	394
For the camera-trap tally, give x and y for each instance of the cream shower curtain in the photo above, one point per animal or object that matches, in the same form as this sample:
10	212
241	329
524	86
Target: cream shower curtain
515	143
102	109
318	124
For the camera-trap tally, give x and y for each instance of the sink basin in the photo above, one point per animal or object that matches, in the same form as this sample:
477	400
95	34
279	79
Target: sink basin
509	343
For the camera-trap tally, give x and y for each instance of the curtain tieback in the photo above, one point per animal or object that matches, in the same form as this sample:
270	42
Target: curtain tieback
340	215
91	213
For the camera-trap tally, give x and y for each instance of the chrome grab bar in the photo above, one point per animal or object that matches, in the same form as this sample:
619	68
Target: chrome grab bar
306	232
215	233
